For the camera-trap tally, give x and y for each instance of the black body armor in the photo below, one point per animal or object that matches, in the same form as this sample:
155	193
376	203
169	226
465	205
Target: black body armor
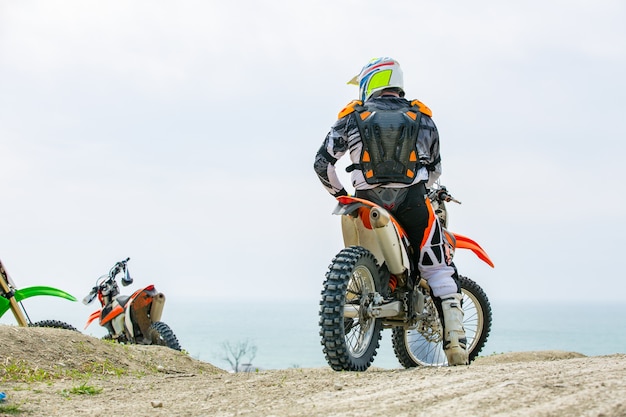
389	139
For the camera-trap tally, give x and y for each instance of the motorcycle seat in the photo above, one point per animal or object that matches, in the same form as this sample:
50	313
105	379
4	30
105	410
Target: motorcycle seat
123	299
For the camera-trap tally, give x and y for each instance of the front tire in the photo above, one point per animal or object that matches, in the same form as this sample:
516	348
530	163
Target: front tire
54	324
160	334
423	344
350	340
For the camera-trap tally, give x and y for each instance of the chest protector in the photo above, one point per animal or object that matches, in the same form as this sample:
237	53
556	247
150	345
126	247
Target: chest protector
389	137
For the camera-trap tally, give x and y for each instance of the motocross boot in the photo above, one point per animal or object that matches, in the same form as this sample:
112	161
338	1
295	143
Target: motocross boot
454	340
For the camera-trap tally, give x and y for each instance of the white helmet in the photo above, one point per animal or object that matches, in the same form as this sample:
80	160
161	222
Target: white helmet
377	75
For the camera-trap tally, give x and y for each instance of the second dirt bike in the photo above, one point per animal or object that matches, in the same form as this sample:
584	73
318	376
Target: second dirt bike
372	284
11	299
134	319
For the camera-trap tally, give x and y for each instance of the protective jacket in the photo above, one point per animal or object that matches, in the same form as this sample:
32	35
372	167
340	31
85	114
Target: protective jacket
392	142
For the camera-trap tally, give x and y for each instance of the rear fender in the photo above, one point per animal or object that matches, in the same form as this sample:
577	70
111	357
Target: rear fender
347	205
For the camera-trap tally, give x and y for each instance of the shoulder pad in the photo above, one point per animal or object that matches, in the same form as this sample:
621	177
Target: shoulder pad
349	108
423	108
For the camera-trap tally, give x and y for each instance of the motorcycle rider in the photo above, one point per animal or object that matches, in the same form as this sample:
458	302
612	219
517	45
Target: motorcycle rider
394	149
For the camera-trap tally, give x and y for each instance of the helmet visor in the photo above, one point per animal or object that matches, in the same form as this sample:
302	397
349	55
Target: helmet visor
377	81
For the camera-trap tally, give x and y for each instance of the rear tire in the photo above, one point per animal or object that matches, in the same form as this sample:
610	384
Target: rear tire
350	343
423	345
53	323
160	334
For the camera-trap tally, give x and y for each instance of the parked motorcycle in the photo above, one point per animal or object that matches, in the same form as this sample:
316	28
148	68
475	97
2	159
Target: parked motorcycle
134	319
11	298
372	284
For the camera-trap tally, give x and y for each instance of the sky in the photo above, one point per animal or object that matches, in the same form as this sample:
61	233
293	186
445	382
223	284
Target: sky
182	135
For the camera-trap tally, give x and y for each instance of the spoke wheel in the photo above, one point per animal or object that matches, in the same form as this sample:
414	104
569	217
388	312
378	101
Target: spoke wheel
349	335
423	344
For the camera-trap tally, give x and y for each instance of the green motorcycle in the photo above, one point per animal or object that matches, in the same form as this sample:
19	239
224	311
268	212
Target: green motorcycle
11	298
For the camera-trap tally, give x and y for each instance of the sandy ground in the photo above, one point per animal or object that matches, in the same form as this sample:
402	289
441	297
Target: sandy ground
53	372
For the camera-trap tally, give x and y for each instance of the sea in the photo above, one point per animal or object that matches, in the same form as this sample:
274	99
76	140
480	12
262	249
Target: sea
285	334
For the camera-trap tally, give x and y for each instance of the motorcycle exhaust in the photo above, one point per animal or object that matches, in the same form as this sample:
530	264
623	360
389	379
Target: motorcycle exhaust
388	240
158	302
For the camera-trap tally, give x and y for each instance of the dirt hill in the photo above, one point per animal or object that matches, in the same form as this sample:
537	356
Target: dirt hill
53	372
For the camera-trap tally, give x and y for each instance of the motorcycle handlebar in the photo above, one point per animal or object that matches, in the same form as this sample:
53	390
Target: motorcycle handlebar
118	267
442	195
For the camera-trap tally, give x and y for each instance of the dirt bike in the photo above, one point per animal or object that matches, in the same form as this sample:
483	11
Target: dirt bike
11	298
134	319
372	284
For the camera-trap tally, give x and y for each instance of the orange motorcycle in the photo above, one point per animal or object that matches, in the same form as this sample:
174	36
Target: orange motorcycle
373	284
134	319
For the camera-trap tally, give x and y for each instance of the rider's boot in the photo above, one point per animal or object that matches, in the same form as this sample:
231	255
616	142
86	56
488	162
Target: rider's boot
454	343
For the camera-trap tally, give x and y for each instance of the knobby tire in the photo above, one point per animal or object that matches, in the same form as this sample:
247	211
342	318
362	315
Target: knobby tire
349	344
55	324
161	334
